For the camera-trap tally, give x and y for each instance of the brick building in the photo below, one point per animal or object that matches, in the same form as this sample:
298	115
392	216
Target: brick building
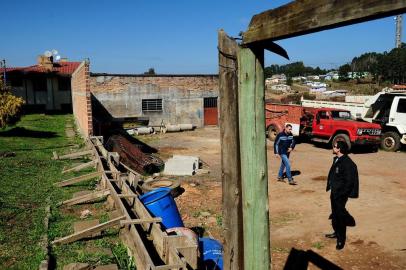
169	99
45	86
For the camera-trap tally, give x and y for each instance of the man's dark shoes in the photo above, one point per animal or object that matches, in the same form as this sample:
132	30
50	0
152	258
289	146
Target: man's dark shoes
340	245
331	235
280	179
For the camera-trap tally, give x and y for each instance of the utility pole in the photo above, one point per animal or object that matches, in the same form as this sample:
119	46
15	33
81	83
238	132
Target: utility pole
398	31
3	65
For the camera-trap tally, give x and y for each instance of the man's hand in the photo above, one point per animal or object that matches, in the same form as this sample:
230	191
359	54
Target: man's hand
276	155
289	150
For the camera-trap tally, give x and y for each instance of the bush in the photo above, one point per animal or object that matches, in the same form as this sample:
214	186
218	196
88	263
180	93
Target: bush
10	106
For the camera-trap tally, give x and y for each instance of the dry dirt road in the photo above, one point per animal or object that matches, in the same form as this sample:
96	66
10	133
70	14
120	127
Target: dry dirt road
299	213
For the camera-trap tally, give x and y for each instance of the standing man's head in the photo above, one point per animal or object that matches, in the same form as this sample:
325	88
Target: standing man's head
288	129
340	148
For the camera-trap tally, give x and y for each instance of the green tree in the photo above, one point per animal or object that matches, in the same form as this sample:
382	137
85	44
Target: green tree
343	72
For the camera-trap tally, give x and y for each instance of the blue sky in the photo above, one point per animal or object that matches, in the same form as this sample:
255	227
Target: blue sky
173	37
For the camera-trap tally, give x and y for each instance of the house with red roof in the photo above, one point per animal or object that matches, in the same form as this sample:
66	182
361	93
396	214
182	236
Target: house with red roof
45	86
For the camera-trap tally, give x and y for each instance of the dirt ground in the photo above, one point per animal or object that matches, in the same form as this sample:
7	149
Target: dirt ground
299	214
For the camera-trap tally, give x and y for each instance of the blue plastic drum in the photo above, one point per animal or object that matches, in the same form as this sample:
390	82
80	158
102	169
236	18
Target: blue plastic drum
211	253
160	203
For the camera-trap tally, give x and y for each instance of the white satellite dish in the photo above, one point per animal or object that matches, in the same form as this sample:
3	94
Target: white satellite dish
57	58
48	53
54	52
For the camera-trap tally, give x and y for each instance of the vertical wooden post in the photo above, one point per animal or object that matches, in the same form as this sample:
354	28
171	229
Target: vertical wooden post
254	169
230	153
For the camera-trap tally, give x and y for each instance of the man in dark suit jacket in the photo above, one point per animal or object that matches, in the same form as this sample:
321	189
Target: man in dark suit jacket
343	182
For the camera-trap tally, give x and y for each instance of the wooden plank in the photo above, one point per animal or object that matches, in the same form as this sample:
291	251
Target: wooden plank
254	169
309	16
78	179
76	154
88	232
131	237
185	246
130	196
140	221
86	198
230	153
80	167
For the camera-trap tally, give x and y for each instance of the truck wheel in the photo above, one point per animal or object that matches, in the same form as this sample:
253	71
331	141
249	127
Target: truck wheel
272	133
343	138
390	141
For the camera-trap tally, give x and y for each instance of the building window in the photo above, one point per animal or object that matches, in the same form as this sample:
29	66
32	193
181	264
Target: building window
210	102
64	84
39	84
152	105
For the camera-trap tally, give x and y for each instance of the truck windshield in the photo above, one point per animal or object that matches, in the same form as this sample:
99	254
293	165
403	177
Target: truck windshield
343	115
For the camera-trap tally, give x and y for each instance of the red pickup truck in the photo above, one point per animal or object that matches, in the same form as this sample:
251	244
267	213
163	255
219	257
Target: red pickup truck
321	125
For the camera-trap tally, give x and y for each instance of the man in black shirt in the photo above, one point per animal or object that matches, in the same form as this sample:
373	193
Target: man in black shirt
343	182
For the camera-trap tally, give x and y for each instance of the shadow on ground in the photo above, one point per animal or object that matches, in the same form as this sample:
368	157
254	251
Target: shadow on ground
23	132
300	259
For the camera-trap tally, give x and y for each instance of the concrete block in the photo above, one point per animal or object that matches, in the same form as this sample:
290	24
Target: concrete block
181	165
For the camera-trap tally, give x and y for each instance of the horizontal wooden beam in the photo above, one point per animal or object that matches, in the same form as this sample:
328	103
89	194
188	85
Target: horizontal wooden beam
74	155
88	232
78	179
140	221
80	167
309	16
86	198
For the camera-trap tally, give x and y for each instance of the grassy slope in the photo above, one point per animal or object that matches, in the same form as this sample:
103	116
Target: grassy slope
26	182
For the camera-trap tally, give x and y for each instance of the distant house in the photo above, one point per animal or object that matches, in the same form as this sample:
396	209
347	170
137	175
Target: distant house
281	87
332	75
358	75
45	86
276	79
313	77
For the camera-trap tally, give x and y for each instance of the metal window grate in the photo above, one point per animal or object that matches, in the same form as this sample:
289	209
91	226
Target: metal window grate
210	102
152	105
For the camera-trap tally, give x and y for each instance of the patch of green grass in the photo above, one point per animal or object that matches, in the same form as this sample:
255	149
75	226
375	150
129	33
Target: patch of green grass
121	255
318	245
219	220
26	182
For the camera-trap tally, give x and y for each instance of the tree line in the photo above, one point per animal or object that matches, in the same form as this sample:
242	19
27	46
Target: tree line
389	67
292	70
384	67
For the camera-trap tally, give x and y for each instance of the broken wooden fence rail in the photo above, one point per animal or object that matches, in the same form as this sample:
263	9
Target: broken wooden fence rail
80	167
73	155
88	232
86	198
78	179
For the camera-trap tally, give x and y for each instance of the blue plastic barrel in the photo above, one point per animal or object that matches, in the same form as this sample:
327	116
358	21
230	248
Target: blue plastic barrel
211	253
160	203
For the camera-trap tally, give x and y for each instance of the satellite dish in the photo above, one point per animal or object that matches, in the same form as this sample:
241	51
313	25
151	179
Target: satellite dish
57	58
54	52
48	53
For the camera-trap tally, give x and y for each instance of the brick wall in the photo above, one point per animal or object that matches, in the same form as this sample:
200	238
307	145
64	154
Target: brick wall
182	96
81	99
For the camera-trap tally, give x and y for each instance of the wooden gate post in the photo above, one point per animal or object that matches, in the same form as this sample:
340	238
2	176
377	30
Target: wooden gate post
230	153
254	169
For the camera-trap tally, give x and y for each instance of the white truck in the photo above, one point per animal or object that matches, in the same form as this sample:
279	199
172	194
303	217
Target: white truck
387	108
